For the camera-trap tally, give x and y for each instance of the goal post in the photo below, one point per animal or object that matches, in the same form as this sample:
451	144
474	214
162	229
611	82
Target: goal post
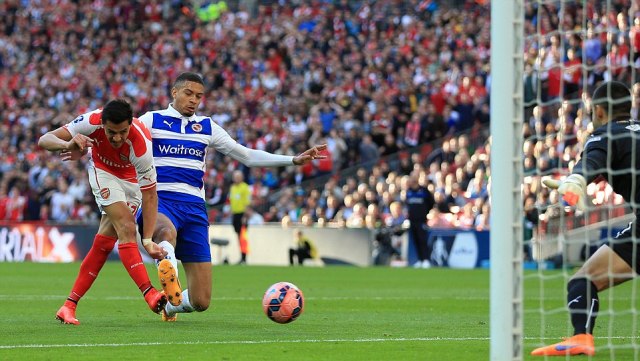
506	267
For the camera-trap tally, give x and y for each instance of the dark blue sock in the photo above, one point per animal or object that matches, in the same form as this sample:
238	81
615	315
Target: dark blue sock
582	300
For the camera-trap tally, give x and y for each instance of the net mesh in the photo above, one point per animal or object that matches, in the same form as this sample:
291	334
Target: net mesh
570	48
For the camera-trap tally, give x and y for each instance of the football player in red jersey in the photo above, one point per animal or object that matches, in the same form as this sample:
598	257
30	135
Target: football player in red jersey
122	176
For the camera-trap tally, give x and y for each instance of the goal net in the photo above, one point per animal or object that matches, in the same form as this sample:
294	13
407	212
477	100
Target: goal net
568	48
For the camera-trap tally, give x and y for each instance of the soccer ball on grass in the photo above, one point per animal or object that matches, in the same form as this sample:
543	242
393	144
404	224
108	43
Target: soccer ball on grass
283	302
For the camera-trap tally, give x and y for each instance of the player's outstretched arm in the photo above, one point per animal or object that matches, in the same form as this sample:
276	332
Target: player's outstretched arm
61	139
258	158
149	216
222	142
310	154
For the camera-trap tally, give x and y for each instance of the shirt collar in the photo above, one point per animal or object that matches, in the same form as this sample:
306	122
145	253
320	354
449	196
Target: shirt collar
174	113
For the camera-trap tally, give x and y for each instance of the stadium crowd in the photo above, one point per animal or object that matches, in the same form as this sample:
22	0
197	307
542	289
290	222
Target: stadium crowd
561	70
369	79
393	87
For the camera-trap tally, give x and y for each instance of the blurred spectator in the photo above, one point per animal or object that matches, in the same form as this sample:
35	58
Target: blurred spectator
483	219
635	97
286	221
253	217
437	219
62	202
467	218
15	205
441	201
369	153
4	200
477	187
356	218
386	243
332	208
83	212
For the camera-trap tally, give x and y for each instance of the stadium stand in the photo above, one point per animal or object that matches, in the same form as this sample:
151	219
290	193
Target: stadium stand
392	89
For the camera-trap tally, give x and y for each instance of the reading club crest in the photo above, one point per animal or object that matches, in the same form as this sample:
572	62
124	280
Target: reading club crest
105	193
196	127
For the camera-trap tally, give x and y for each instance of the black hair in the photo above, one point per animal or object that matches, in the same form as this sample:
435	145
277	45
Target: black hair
117	111
187	76
615	97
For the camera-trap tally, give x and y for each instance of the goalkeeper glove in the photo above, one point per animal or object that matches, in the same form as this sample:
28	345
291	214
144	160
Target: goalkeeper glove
573	189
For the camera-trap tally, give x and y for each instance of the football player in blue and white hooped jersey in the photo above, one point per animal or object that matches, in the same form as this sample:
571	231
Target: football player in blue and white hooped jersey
180	143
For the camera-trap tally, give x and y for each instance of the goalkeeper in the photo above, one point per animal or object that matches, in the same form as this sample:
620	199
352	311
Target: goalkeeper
613	153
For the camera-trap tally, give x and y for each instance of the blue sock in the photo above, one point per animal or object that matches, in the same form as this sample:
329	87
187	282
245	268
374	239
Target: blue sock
583	303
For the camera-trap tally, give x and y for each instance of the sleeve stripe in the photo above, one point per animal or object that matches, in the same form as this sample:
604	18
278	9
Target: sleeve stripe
148	186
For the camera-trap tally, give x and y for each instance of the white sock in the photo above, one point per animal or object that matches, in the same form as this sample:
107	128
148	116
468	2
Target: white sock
184	307
171	255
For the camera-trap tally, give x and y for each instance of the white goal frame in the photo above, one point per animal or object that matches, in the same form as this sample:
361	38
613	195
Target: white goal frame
506	255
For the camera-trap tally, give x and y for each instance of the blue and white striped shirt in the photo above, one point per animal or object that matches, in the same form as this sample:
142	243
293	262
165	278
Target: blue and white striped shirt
180	148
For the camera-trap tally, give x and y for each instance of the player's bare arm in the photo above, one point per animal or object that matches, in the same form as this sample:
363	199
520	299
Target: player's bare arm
61	139
150	215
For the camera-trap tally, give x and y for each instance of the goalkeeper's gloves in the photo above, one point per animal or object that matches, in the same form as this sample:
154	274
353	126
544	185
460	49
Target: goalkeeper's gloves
573	189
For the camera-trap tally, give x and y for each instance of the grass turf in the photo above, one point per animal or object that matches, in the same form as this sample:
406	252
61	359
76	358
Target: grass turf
350	314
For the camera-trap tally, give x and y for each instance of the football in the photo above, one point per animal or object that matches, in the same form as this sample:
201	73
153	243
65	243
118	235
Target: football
283	302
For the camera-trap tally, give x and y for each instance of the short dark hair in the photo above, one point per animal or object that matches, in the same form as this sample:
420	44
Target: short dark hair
187	76
117	111
615	97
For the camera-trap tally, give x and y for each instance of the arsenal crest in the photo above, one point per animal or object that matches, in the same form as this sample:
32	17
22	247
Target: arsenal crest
105	193
123	157
196	127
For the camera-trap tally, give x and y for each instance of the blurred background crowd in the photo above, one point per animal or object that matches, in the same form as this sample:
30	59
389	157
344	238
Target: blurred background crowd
397	89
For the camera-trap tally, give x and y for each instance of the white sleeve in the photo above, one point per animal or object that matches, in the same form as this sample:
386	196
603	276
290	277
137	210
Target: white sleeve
147	176
223	143
142	158
259	158
147	119
84	124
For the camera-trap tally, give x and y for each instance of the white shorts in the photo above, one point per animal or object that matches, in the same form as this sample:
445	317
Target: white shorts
108	189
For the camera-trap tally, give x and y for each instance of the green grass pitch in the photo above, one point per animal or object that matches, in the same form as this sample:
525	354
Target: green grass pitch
350	314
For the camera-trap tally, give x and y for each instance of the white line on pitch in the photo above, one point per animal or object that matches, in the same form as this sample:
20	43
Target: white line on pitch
242	342
254	342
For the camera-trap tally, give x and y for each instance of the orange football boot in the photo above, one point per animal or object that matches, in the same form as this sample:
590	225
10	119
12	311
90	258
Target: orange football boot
167	318
580	344
170	282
